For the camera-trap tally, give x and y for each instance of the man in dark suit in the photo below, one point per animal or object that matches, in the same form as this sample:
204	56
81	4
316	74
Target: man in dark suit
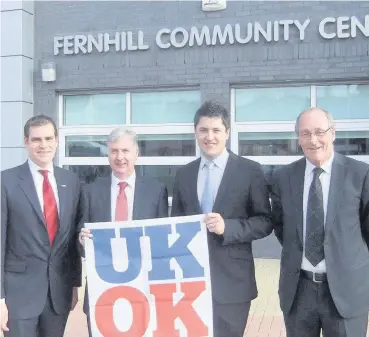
321	215
40	265
233	193
123	195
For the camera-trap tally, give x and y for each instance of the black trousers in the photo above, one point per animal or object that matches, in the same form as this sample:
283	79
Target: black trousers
314	311
47	324
229	320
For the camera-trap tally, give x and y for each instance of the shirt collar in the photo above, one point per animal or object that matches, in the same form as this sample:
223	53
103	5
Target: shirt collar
35	168
220	161
327	166
129	180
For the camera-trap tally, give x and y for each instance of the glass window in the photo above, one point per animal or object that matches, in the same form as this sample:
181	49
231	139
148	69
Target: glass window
269	170
106	109
86	146
345	101
268	144
166	145
164	107
163	173
88	173
149	145
353	143
271	104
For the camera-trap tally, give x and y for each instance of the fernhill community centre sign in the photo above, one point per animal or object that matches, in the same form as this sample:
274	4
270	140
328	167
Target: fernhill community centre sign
342	27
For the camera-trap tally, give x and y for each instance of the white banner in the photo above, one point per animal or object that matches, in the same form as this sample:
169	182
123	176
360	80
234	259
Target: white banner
149	278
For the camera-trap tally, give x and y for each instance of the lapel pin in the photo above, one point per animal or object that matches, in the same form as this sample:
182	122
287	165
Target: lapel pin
63	185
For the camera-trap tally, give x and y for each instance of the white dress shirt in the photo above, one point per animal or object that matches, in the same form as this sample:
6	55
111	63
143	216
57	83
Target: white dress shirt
220	163
129	190
325	179
38	179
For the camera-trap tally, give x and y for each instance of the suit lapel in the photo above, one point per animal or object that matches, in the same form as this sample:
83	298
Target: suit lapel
105	200
297	193
62	186
229	173
28	186
338	177
192	177
138	198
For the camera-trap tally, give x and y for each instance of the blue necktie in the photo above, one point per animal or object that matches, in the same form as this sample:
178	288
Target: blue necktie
207	193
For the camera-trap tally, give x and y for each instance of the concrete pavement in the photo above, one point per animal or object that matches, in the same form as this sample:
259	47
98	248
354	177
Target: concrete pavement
265	319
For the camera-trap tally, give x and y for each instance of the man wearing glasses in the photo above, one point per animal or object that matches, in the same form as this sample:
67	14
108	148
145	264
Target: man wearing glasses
321	217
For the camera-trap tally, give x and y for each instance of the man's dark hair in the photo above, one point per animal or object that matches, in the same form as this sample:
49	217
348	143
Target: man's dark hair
39	120
212	109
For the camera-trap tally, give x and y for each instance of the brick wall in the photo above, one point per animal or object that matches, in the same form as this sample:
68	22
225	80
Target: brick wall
212	68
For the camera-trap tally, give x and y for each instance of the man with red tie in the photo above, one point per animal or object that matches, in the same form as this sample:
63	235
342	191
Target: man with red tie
122	196
40	264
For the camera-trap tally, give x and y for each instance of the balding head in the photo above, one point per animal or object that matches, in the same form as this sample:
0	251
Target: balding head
315	111
316	131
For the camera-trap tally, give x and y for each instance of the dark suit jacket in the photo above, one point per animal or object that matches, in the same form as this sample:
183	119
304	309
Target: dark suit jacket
243	202
29	266
150	201
346	232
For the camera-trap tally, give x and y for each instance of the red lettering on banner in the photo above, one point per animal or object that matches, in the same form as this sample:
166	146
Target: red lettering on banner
167	312
140	312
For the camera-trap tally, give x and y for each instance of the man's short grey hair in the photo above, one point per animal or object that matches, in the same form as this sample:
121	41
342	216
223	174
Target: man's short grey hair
331	123
122	132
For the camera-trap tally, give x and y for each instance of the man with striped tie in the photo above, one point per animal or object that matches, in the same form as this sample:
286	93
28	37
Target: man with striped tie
321	218
232	193
40	265
123	195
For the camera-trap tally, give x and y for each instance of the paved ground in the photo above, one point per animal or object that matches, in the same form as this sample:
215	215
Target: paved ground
265	319
265	316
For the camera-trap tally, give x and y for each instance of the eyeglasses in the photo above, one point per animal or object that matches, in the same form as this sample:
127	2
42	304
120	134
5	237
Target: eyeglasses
317	133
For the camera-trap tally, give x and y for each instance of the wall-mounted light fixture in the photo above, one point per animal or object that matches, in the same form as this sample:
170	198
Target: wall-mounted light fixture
48	72
213	5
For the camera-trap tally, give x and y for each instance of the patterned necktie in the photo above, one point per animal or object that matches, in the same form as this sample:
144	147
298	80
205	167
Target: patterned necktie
314	241
121	209
207	194
50	208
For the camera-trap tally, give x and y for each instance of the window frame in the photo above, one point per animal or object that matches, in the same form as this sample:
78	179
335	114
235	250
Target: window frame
287	126
140	129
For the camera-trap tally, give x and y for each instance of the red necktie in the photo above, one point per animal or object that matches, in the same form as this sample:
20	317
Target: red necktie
121	209
50	208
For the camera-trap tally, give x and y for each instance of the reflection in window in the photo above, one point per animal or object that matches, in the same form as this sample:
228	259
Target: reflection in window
271	104
163	173
352	143
166	145
269	171
345	101
164	107
88	173
149	145
86	146
268	144
104	109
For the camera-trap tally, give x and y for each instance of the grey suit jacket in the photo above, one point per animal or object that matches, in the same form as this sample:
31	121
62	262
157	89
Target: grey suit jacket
150	201
243	202
346	232
29	266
